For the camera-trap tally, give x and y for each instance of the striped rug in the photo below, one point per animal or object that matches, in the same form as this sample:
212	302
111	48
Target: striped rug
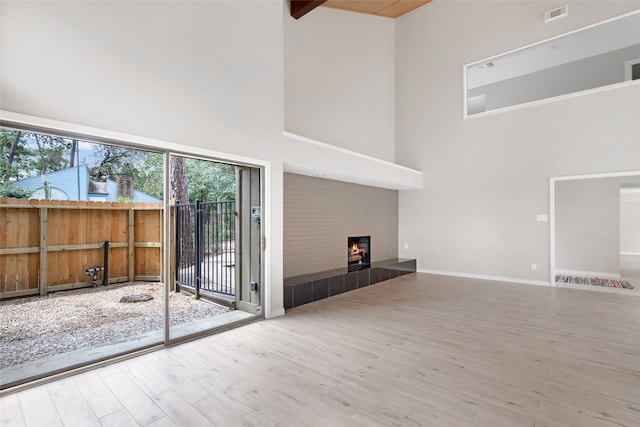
594	281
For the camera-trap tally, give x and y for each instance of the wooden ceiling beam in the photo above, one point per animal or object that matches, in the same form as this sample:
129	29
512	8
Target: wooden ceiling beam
299	8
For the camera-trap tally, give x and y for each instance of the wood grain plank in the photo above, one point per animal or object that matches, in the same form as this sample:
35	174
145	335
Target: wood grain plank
91	385
140	406
70	405
179	410
11	412
417	350
38	408
120	418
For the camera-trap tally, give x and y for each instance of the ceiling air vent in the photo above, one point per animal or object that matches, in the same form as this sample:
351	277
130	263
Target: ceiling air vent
556	13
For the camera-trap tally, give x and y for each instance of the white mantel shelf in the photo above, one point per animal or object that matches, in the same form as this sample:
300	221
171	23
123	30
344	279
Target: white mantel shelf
319	159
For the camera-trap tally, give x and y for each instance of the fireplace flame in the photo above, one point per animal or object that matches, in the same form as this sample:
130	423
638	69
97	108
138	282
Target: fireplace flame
358	253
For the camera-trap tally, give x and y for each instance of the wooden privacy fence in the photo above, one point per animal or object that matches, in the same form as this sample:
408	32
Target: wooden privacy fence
47	245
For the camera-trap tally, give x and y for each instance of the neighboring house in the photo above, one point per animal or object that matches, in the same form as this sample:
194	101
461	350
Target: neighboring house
75	184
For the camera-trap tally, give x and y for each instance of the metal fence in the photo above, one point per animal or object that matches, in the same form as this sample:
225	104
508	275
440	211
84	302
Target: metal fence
205	247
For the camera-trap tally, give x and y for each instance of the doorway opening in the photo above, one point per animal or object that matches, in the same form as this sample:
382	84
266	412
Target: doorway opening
216	234
595	232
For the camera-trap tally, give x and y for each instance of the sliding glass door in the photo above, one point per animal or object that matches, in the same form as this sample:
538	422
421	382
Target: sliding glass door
106	250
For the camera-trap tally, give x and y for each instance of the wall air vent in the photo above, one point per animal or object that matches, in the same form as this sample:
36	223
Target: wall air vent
556	13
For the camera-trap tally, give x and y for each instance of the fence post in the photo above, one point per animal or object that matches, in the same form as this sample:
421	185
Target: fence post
198	263
131	246
44	249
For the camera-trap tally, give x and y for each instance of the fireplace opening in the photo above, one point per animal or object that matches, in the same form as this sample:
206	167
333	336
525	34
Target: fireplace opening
358	253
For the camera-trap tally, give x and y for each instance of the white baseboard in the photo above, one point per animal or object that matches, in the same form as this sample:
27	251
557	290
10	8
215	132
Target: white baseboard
483	277
275	313
630	253
588	273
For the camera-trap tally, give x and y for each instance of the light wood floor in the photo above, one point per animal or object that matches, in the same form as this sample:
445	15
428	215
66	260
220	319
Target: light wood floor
419	350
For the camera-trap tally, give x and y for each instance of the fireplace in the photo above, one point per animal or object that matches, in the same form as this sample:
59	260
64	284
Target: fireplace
358	253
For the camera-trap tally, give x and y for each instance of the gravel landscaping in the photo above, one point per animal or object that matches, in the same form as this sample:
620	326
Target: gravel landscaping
36	327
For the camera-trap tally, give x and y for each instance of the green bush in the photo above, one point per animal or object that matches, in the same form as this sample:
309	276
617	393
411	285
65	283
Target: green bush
8	191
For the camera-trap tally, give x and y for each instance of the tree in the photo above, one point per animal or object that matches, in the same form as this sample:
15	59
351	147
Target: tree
210	181
27	154
52	153
179	192
18	160
16	157
13	149
178	177
74	153
114	160
149	177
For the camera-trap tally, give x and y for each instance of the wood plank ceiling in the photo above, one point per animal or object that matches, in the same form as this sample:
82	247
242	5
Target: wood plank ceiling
387	8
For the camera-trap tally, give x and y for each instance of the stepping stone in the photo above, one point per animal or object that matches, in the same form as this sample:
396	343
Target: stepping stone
136	298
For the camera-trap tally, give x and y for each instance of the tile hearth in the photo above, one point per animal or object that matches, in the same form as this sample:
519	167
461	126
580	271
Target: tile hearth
299	290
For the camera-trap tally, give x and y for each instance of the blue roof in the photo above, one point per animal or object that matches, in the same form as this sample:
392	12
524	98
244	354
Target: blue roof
73	184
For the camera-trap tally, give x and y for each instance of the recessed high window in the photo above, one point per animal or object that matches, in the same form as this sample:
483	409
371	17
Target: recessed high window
601	55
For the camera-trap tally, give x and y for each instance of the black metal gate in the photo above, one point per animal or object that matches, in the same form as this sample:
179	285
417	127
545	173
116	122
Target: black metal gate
205	247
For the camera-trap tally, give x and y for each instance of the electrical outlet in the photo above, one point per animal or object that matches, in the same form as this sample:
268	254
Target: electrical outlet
406	246
534	266
542	217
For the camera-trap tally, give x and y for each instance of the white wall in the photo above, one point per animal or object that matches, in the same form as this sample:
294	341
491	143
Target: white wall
630	231
196	74
339	80
486	178
207	74
587	228
630	220
201	77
